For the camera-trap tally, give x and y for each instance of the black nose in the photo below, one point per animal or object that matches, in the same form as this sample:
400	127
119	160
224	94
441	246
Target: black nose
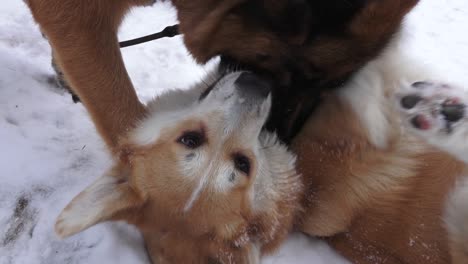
252	86
453	112
410	101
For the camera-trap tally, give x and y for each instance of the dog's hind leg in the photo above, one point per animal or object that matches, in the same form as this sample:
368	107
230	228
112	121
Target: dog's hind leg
83	37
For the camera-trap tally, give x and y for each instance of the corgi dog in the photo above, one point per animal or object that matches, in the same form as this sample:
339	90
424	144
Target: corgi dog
375	190
199	177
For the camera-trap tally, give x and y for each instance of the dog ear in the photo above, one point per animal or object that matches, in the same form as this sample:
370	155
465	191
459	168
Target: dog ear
109	198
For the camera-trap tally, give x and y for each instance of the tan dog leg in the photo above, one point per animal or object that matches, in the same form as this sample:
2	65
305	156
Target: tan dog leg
83	37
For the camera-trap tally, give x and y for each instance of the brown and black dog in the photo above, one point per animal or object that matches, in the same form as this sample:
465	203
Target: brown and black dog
307	45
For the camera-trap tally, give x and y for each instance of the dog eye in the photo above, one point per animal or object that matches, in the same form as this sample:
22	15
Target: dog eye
242	163
192	139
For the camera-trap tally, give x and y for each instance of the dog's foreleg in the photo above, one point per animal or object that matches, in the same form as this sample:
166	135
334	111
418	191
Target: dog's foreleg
83	37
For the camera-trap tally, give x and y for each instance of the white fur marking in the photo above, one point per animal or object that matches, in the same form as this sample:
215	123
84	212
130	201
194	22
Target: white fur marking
196	193
365	94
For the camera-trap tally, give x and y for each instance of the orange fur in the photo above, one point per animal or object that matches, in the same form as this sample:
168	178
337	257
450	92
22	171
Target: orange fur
83	37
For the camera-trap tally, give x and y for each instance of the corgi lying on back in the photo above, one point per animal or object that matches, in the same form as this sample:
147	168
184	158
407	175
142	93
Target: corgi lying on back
377	192
199	177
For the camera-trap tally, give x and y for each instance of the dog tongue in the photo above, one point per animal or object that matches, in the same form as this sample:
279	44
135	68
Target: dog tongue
421	122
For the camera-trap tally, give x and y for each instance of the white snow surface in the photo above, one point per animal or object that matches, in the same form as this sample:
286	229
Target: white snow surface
50	151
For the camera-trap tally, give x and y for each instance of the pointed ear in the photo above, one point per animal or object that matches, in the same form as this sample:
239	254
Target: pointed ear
107	198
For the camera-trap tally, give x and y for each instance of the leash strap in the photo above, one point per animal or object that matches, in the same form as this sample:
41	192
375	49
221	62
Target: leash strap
168	32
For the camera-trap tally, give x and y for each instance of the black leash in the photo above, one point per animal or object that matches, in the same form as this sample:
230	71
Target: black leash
168	32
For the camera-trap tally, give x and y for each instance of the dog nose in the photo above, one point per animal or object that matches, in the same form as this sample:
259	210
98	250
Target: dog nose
410	101
252	86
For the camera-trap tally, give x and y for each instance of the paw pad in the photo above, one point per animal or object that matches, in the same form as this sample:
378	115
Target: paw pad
410	101
421	122
432	106
453	112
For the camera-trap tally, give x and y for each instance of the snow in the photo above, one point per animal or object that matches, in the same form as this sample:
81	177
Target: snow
50	150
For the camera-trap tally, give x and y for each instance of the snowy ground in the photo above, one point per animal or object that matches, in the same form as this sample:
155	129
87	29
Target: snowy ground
50	150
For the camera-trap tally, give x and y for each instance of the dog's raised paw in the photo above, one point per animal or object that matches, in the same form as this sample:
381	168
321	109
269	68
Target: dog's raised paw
432	107
436	112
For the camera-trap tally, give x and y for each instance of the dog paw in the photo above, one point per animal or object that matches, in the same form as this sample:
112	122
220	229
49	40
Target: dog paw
435	111
431	107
